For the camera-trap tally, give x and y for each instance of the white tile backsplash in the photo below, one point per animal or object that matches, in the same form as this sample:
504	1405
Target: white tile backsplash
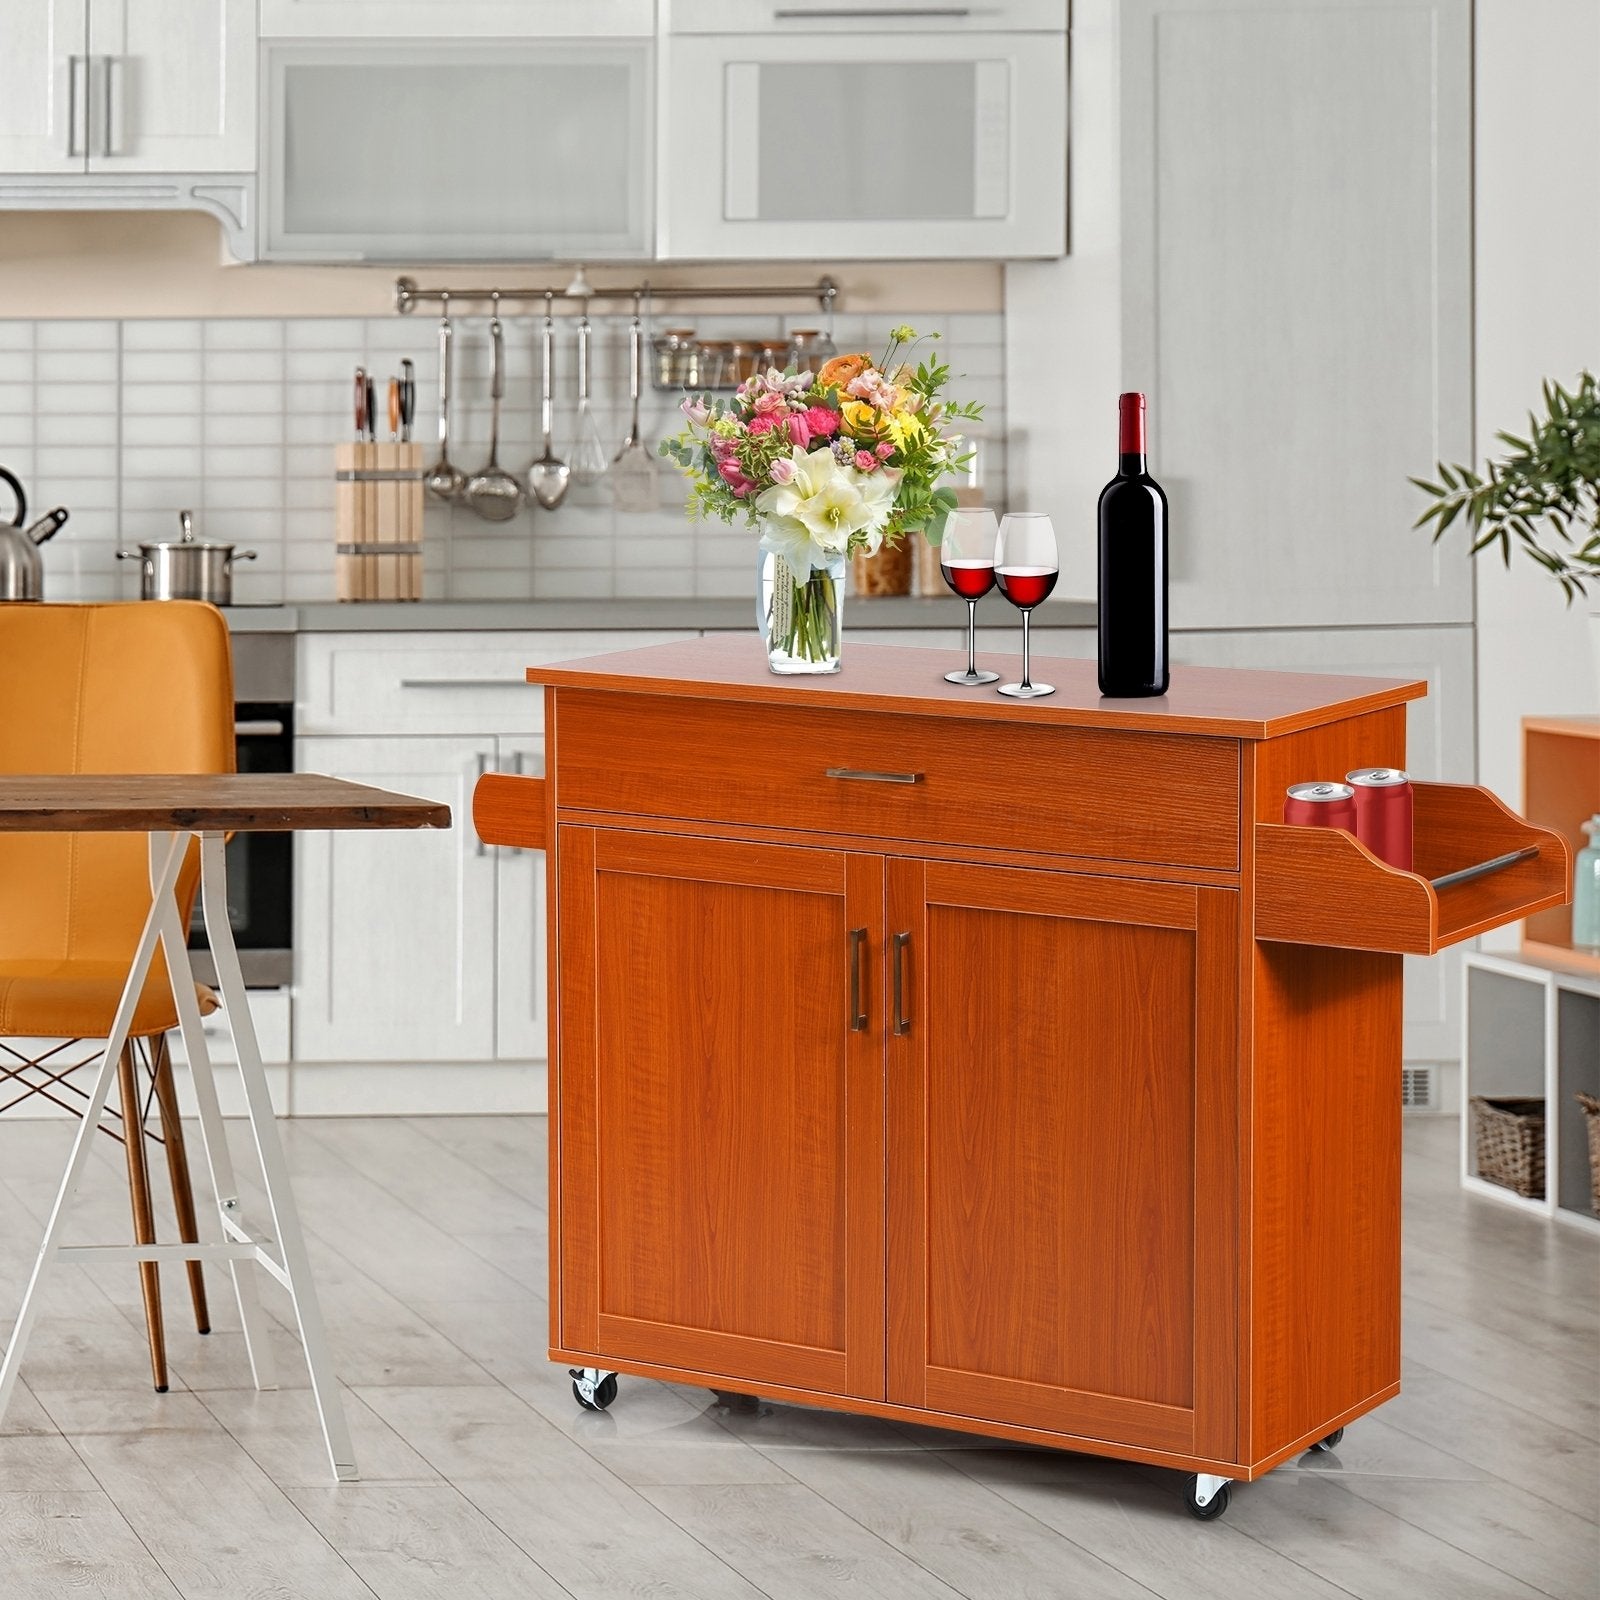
127	422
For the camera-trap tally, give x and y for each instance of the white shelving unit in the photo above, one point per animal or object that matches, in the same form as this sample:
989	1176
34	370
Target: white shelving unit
1532	1029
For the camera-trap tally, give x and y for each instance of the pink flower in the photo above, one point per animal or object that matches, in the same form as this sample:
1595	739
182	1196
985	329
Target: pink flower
885	450
771	401
799	430
722	448
822	422
783	470
765	422
694	408
733	475
866	461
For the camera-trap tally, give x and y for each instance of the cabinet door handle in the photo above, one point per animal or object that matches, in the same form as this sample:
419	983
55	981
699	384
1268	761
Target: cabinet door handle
874	13
479	847
108	66
858	1011
902	1023
73	64
861	775
462	683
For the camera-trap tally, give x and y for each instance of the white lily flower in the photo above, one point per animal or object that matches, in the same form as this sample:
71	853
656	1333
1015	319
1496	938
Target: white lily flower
823	506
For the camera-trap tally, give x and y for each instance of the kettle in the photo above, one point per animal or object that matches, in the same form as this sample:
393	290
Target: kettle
21	570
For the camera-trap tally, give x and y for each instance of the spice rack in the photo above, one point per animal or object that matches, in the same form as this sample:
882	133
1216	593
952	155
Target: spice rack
1321	886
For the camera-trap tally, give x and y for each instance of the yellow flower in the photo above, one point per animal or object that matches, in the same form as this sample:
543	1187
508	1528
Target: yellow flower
905	428
861	421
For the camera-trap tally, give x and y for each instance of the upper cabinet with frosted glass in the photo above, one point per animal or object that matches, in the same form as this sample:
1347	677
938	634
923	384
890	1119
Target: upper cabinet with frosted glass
807	129
456	148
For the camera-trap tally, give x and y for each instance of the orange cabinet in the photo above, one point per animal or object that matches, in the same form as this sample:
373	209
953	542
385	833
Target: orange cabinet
1008	1067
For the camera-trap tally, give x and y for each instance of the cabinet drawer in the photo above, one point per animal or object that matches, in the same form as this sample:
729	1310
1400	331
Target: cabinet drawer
1070	791
435	683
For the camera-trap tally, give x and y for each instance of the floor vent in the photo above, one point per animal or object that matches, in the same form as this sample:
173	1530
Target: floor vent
1417	1091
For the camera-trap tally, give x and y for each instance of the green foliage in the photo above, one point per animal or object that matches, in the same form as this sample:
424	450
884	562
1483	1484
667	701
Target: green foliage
1549	483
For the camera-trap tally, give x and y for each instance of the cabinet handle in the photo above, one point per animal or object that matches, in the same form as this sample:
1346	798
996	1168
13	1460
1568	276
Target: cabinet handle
902	1023
859	775
73	63
858	1012
462	683
875	13
108	64
479	847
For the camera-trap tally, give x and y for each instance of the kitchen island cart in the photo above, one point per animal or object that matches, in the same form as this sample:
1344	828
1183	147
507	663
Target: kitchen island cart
1005	1067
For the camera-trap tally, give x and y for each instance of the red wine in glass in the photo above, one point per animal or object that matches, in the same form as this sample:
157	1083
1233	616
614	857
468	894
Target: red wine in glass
1026	567
971	578
1026	587
966	558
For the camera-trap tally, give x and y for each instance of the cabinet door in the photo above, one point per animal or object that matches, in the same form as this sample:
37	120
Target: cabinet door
387	150
720	1120
770	151
1296	296
394	933
1061	1146
44	86
173	87
521	1016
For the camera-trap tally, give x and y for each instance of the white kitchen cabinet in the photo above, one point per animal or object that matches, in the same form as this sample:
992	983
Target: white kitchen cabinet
1440	745
98	87
43	85
172	86
1296	298
455	149
395	932
796	130
521	1015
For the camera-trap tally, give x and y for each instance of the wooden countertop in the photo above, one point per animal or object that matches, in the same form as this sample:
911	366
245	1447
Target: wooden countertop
231	802
1233	703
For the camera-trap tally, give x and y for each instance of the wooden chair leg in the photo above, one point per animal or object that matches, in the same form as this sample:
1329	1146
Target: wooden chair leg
144	1221
178	1171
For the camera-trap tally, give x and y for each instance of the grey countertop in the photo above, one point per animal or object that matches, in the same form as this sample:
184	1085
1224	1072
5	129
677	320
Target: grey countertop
670	616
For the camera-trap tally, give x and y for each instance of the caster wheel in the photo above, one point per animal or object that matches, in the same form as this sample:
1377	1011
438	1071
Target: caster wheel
1214	1507
1331	1442
591	1394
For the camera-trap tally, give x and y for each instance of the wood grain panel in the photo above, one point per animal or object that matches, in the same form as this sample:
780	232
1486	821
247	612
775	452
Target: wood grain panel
1045	1185
1560	790
510	810
1324	1239
1226	702
1321	886
736	1130
1376	739
1086	792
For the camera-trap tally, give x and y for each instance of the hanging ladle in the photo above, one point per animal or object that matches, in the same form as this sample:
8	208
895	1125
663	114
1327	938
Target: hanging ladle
445	480
494	493
549	475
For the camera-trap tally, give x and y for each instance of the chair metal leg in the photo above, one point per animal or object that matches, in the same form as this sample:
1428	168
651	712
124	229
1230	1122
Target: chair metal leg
178	1171
144	1217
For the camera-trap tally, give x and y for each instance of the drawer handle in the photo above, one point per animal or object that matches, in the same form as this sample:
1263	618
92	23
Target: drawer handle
902	1023
462	683
857	775
858	1012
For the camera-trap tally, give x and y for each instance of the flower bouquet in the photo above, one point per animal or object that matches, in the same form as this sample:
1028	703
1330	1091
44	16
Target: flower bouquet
824	464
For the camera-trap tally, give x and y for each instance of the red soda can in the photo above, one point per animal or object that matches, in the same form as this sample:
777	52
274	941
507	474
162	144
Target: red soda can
1383	813
1321	805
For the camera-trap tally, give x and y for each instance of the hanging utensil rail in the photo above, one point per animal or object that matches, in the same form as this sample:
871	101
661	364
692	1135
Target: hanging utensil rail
408	295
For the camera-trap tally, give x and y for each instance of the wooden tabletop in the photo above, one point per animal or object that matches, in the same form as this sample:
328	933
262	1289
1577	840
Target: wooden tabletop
1203	700
233	802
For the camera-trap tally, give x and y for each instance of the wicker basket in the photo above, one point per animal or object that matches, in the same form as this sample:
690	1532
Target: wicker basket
1591	1115
1510	1139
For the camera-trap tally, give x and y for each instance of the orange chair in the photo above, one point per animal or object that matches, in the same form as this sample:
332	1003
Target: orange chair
140	687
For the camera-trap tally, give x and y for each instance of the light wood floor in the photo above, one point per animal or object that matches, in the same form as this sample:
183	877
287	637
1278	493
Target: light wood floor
482	1480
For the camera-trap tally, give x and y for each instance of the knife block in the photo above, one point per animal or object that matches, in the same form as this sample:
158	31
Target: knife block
378	521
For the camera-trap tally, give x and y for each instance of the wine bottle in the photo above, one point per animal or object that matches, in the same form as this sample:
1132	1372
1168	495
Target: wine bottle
1133	567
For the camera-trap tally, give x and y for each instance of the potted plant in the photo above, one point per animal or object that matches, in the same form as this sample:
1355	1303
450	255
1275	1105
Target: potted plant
1542	497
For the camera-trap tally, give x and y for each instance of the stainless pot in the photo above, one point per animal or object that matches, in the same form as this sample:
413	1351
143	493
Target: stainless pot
186	568
21	570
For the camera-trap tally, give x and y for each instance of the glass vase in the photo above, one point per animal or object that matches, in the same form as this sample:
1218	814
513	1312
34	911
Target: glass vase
800	620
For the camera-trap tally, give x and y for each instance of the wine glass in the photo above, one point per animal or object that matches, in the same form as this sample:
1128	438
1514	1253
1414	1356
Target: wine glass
1025	568
966	558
